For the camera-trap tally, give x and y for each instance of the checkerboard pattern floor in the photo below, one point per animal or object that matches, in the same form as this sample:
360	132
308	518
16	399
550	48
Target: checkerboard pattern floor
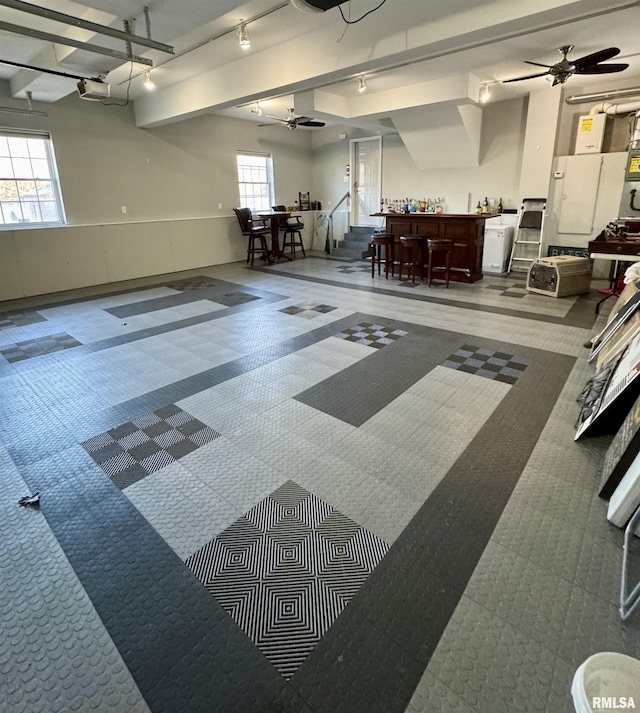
286	569
498	366
350	269
20	319
38	347
194	283
373	335
517	291
306	310
140	447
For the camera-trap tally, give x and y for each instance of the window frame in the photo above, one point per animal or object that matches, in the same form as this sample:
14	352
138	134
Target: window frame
269	182
53	179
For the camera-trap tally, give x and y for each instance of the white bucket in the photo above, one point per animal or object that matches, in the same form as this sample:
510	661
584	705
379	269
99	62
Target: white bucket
607	682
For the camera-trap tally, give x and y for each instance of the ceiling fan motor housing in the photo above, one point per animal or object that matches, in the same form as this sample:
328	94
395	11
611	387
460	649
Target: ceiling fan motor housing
316	5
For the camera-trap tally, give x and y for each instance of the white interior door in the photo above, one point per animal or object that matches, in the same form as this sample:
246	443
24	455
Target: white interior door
366	160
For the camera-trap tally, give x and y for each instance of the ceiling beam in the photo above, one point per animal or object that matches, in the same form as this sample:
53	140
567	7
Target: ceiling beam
86	25
60	39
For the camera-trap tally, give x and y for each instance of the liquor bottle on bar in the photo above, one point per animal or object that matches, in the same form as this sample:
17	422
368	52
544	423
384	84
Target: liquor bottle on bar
485	205
479	208
500	206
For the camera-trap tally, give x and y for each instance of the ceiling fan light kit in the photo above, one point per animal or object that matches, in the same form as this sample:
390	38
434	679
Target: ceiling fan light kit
559	72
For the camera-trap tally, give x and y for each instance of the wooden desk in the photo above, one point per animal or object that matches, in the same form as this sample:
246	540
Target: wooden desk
273	216
466	230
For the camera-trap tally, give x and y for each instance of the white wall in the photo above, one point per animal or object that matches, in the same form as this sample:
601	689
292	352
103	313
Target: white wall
497	176
174	176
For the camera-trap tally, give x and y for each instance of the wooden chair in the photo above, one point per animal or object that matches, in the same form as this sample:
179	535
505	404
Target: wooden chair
291	227
439	246
256	232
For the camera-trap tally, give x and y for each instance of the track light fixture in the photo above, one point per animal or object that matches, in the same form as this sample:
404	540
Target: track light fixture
485	94
149	84
362	84
257	109
243	36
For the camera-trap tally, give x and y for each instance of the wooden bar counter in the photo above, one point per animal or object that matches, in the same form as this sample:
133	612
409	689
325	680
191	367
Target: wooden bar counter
466	230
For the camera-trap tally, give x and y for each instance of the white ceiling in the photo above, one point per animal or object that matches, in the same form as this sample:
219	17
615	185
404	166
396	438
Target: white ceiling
406	43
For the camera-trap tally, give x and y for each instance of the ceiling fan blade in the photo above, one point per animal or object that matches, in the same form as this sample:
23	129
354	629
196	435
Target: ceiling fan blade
602	69
311	122
274	124
302	119
276	118
537	64
529	76
601	56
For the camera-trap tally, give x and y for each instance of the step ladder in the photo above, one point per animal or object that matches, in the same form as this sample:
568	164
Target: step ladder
527	246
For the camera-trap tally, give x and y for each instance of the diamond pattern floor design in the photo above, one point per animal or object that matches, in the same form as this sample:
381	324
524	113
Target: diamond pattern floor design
351	269
372	335
307	310
119	622
136	449
285	571
38	347
488	363
231	299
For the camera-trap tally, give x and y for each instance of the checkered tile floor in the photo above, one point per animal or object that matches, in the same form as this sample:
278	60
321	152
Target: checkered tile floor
306	310
38	347
137	448
231	299
286	569
350	269
517	291
373	335
194	283
498	366
20	319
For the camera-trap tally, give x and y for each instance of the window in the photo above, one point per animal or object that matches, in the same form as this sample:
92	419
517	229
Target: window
255	181
29	188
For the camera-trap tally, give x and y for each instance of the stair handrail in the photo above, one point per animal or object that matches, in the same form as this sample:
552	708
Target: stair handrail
329	239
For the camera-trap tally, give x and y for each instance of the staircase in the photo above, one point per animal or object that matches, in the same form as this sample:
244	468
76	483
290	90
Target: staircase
354	243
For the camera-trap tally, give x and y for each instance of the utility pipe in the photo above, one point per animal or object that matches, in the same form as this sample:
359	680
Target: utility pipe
601	96
615	109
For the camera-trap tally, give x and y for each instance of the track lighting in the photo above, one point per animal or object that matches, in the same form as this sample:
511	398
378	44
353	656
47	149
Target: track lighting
362	85
257	109
485	94
243	36
149	84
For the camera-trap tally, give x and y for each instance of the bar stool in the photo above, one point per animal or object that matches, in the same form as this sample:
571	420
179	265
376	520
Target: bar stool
378	242
291	226
411	248
439	246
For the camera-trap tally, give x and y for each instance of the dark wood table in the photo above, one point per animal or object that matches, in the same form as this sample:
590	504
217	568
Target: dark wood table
274	216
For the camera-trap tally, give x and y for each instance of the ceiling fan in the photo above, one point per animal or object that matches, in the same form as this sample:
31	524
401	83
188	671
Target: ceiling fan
589	64
292	121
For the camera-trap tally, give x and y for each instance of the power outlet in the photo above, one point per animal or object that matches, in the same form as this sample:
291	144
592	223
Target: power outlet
219	206
123	208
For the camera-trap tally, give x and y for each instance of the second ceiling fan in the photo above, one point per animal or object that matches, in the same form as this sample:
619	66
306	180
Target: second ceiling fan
292	121
589	64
